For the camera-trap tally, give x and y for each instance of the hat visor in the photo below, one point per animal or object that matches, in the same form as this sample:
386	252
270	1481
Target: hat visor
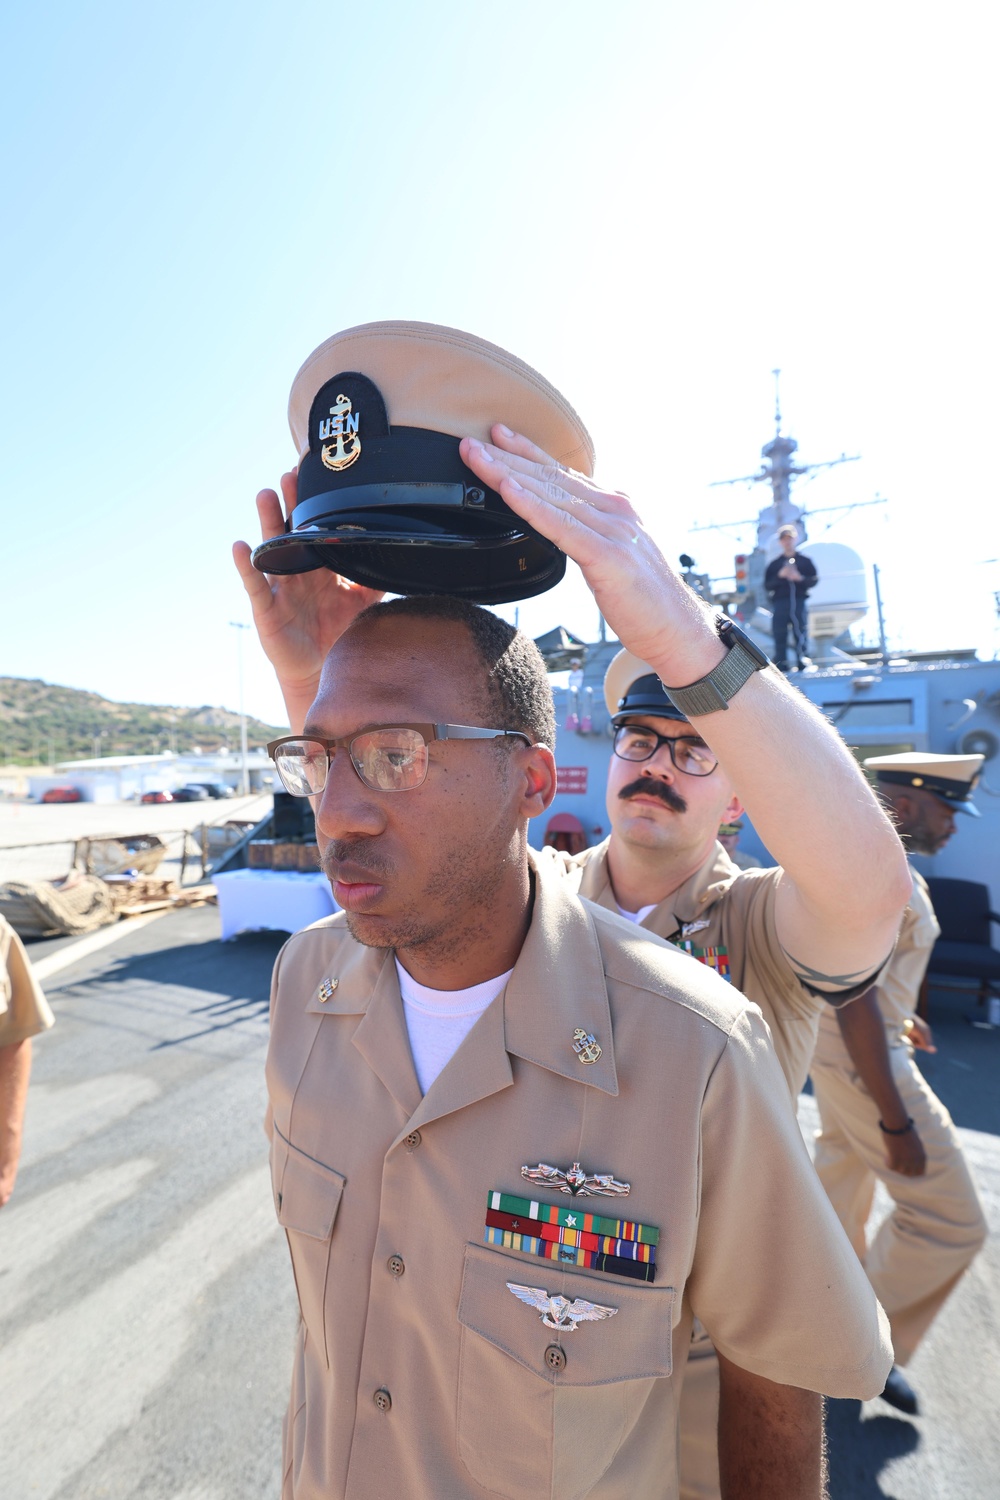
406	554
968	808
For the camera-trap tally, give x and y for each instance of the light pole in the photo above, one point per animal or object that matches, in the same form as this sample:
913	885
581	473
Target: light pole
244	772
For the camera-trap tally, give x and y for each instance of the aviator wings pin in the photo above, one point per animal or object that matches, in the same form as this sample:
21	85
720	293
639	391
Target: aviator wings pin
560	1312
576	1181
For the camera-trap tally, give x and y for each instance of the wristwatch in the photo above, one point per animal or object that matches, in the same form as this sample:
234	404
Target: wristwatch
741	661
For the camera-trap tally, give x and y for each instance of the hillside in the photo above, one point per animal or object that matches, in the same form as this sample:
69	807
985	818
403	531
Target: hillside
41	723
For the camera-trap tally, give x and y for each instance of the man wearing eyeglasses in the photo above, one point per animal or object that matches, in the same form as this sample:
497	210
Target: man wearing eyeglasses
663	867
517	1145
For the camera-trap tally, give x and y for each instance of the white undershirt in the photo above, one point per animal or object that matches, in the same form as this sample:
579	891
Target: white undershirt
438	1021
637	916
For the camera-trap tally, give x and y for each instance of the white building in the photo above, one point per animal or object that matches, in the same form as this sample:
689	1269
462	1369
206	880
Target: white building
122	778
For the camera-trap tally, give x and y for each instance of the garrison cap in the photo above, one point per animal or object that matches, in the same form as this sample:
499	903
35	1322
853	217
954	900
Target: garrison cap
632	687
953	778
384	498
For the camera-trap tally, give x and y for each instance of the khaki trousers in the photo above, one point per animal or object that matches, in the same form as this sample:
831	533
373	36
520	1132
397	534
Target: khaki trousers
936	1226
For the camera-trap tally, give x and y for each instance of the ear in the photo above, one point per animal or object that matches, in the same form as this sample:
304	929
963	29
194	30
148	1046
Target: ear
537	768
903	806
734	809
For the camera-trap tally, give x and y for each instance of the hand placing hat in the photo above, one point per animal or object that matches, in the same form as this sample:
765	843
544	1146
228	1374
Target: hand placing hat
300	615
644	601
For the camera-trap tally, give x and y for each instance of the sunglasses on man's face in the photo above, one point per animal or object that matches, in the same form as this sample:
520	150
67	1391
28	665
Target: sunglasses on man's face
387	758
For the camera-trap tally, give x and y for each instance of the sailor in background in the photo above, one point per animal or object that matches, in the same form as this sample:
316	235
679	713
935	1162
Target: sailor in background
24	1012
788	579
729	838
879	1118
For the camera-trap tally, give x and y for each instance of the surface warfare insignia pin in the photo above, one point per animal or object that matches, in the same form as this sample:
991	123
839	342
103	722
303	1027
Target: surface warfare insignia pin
560	1312
339	435
586	1045
326	990
576	1181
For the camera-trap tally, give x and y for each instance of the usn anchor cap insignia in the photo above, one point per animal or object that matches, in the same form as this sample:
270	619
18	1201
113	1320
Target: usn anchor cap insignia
559	1312
339	435
586	1045
326	990
576	1181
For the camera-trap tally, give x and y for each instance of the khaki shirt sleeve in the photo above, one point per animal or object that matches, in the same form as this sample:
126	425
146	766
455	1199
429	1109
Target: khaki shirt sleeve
24	1010
766	977
774	1278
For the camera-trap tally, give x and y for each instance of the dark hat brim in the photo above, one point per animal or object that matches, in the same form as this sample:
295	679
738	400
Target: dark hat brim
403	554
954	794
968	808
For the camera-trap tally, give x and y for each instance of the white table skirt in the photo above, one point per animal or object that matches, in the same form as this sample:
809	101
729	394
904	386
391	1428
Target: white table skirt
278	900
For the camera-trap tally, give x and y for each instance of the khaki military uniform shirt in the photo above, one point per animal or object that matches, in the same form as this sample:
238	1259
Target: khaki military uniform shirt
899	986
418	1374
724	916
24	1010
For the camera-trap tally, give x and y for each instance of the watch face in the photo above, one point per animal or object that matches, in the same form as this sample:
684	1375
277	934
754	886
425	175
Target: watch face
730	633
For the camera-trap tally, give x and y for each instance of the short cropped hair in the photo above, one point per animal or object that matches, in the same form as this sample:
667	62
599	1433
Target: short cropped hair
518	695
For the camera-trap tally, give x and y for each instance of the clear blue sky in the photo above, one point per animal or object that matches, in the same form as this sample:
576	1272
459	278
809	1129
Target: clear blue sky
654	204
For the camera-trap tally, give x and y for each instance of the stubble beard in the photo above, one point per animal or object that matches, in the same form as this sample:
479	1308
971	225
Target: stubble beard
921	840
463	892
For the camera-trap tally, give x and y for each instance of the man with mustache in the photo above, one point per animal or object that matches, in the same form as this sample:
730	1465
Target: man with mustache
880	1120
470	1039
663	868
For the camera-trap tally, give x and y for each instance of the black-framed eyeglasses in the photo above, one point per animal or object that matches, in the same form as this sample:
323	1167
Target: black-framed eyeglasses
387	757
689	754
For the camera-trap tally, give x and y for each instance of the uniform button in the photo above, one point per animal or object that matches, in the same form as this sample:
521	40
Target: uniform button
396	1265
412	1140
555	1358
383	1400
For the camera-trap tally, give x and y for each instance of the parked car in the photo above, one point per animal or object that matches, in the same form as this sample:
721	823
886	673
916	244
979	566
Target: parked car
159	796
190	794
215	788
62	794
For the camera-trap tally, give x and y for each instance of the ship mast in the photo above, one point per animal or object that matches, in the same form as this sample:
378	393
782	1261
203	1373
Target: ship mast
778	470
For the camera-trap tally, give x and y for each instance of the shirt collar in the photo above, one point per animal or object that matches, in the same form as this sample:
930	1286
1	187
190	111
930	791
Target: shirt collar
694	898
558	987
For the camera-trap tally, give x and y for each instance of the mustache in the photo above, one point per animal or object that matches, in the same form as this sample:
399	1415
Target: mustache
648	787
353	852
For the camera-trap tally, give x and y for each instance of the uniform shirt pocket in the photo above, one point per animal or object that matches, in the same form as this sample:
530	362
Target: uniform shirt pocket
544	1410
307	1196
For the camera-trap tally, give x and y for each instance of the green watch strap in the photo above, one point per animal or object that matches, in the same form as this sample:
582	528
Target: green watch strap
711	693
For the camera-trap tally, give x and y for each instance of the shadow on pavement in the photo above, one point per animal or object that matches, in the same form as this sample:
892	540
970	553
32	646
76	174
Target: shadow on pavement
229	983
858	1451
964	1069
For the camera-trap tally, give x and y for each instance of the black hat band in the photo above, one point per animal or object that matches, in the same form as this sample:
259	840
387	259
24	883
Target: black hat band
941	786
410	466
646	696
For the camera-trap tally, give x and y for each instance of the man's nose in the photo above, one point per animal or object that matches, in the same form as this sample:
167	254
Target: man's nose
661	764
346	807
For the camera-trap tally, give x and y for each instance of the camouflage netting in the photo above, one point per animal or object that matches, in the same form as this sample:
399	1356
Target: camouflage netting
41	909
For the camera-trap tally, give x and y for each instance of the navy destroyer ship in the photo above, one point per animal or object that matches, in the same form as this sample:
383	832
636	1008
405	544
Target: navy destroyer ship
882	701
